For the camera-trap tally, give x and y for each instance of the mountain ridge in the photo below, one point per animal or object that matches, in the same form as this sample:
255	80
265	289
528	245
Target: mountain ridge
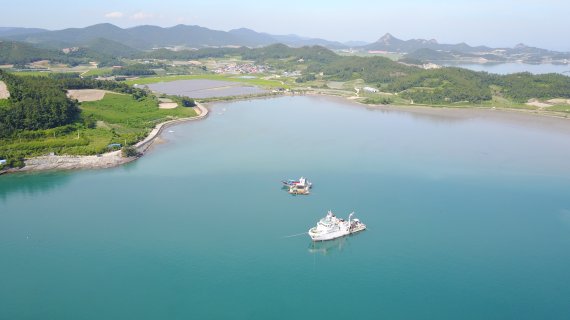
146	37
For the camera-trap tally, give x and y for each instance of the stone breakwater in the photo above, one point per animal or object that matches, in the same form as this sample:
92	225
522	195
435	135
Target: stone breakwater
147	142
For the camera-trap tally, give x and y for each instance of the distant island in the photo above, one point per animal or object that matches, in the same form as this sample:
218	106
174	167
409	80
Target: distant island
42	111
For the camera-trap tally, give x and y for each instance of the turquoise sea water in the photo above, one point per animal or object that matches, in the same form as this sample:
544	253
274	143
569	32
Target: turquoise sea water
467	219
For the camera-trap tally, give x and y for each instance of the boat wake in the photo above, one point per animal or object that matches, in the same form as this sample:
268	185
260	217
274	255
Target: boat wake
295	235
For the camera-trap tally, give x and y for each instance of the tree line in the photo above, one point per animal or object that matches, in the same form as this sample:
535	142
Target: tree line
446	85
524	86
72	81
35	103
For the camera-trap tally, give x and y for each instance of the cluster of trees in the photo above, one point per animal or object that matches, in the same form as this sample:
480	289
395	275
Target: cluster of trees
306	55
426	54
138	69
372	70
73	81
311	54
85	55
35	103
19	53
187	102
305	78
524	86
440	86
190	54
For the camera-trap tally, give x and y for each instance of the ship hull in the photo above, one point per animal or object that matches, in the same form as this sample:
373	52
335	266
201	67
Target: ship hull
334	235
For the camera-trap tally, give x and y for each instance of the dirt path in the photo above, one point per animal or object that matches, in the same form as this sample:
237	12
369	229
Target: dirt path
4	93
87	94
168	105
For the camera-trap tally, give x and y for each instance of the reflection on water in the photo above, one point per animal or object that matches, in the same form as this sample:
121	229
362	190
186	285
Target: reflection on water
449	116
328	247
32	183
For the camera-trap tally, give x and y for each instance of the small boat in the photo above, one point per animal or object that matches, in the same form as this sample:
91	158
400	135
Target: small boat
288	183
299	189
301	181
330	227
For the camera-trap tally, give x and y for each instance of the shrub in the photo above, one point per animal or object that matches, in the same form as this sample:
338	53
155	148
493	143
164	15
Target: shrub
187	102
129	151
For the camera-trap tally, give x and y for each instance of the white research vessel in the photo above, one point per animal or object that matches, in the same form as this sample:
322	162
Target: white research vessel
330	227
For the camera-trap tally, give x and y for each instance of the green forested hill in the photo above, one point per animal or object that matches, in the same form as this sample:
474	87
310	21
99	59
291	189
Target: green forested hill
12	52
524	86
446	85
260	55
35	103
110	48
370	69
105	52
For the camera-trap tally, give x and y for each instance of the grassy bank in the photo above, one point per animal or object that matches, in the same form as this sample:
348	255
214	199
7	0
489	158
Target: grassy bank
117	118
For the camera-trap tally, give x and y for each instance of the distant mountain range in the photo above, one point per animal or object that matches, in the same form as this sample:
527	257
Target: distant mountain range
431	50
147	37
7	31
390	43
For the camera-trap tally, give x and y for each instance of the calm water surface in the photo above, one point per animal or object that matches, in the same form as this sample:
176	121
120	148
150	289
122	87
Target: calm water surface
511	67
468	219
200	88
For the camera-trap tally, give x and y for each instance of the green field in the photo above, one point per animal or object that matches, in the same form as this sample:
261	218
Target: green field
559	108
98	72
122	109
32	73
120	119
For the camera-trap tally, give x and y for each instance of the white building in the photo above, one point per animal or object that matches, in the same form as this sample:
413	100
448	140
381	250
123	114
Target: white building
370	89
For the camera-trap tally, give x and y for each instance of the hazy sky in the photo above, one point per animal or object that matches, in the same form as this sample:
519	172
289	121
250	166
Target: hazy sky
542	23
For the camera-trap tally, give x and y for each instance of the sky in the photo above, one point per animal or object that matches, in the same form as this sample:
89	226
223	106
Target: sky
498	23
